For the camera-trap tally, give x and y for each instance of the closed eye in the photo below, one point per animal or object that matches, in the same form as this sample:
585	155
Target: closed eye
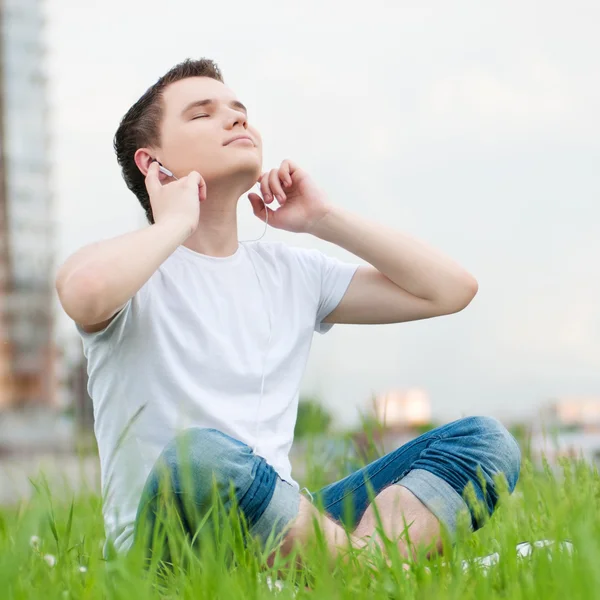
199	117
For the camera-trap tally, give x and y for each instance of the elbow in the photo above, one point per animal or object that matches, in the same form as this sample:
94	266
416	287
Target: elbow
80	294
466	291
472	287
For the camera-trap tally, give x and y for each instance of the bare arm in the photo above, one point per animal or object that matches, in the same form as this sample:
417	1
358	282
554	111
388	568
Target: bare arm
408	280
405	279
96	282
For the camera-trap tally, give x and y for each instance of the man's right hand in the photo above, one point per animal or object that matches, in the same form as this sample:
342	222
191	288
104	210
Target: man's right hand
177	201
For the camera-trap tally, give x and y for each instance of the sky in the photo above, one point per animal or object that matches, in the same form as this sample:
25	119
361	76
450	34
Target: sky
473	126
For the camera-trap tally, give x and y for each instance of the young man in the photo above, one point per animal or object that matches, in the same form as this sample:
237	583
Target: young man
191	336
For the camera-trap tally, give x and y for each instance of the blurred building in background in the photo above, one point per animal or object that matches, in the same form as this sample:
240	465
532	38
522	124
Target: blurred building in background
27	351
567	428
393	418
573	413
403	409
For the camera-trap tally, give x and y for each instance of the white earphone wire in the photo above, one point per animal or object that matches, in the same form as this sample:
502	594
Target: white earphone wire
266	221
264	369
266	304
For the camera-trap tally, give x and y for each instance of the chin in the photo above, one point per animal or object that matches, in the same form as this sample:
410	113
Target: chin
247	170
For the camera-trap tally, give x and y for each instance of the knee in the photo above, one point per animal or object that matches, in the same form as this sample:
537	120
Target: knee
197	457
500	452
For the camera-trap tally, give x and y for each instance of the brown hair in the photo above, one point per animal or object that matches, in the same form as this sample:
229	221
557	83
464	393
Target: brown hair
141	124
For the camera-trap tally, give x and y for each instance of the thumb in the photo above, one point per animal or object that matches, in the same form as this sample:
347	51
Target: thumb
152	180
257	206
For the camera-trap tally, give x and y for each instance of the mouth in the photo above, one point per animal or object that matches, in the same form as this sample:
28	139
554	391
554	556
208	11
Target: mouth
240	139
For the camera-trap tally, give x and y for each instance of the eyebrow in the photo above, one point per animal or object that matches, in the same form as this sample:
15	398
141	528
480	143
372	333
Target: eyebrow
208	101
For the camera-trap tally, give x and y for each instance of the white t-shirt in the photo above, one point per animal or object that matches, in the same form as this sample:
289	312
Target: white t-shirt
194	348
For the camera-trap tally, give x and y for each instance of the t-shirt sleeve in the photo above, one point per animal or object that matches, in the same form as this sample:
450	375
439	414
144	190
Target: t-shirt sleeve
114	332
336	276
329	279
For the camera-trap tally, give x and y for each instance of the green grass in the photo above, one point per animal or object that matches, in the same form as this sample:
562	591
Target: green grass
546	505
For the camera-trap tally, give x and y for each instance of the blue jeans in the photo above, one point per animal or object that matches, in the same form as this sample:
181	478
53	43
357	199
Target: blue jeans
436	467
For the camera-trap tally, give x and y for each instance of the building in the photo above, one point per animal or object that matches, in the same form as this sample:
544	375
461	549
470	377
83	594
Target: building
27	354
568	428
577	412
403	408
393	419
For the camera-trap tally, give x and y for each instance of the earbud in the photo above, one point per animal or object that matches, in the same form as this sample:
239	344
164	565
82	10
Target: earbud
164	169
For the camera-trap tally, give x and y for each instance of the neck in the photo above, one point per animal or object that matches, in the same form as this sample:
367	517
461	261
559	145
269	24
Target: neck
217	233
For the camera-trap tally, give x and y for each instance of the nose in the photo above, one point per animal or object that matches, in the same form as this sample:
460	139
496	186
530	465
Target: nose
237	118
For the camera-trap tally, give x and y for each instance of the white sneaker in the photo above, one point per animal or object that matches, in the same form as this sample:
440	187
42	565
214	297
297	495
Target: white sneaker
524	550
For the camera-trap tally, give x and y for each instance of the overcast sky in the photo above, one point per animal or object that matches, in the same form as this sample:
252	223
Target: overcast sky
472	125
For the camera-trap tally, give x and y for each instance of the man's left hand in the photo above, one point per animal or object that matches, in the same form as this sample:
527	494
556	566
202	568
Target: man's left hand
302	204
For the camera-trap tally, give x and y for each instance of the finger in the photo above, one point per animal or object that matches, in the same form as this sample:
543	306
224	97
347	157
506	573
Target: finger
293	169
202	191
264	188
257	204
153	184
196	182
284	173
193	179
269	200
275	185
259	208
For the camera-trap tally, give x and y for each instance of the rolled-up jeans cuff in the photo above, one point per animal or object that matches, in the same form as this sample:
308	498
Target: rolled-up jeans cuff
438	496
279	514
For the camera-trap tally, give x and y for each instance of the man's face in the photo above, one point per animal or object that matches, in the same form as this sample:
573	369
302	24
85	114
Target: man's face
201	120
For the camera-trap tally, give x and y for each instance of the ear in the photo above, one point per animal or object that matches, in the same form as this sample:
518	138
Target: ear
143	157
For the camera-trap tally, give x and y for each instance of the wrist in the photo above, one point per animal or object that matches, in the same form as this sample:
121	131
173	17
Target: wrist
178	230
323	225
